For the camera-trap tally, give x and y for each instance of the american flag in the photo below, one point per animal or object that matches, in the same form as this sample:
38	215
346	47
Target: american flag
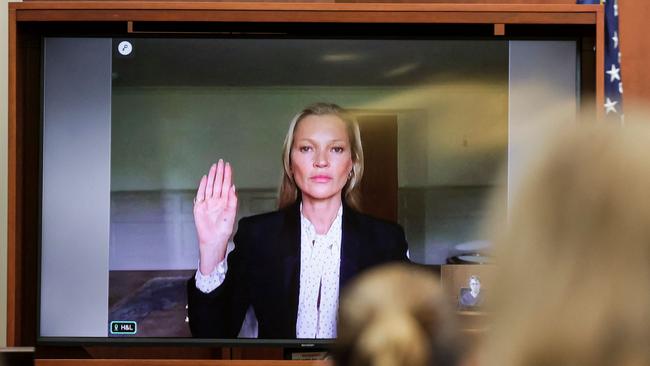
613	102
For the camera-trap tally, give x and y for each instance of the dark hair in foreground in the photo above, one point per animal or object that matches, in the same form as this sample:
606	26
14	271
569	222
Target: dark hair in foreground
574	260
396	315
289	191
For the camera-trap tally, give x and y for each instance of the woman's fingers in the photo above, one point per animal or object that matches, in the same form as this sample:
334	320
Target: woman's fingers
232	199
200	193
218	180
227	179
217	183
212	180
210	184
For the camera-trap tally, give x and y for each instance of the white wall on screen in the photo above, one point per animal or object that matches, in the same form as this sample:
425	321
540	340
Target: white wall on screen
543	83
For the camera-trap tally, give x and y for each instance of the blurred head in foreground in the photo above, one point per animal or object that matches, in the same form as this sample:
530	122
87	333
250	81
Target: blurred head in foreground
396	315
574	258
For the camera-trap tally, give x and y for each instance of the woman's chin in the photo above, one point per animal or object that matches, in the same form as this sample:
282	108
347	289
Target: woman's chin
321	195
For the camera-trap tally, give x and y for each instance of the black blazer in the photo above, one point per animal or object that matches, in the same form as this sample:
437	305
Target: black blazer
264	271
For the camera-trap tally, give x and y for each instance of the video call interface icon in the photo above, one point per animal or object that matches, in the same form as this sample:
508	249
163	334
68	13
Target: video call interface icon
125	48
124	327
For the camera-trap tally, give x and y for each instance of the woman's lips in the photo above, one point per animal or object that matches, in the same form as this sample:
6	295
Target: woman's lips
321	178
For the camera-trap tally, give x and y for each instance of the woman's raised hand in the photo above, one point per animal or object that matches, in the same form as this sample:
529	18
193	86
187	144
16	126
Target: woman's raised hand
215	208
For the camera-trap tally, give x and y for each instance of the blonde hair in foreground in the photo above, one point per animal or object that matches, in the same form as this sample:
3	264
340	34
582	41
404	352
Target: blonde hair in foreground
289	191
573	286
395	315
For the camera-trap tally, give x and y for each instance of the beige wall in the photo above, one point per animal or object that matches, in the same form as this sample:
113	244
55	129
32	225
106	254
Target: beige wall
3	170
164	137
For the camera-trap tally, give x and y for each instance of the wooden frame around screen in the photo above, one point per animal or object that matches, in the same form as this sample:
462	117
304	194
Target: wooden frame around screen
127	12
305	12
133	362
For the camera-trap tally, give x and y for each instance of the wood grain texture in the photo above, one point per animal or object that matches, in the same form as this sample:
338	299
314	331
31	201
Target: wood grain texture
635	51
499	29
305	12
600	63
125	362
535	2
460	1
253	6
306	16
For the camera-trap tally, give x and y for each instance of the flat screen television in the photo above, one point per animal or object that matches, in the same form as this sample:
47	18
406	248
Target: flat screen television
130	124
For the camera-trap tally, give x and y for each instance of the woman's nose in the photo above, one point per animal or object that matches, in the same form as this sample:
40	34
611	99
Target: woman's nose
321	160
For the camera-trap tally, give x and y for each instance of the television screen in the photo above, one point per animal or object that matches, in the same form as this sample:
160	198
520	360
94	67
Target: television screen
130	125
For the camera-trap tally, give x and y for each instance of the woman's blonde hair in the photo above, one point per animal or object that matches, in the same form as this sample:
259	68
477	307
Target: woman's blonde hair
574	258
396	315
289	191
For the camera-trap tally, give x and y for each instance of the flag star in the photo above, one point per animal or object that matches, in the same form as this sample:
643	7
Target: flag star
609	106
615	39
613	73
620	87
615	8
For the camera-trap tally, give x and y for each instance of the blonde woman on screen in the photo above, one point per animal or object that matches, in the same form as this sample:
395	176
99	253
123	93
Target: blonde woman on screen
287	265
574	259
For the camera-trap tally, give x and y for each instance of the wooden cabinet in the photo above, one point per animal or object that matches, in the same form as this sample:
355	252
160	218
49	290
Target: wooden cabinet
31	20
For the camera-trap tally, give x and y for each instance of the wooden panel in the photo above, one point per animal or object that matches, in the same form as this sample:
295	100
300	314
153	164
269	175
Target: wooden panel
24	121
306	12
171	352
635	51
125	362
499	29
530	2
23	148
257	353
466	17
460	1
252	6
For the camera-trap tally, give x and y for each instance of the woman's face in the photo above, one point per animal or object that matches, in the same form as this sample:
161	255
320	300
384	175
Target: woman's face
321	157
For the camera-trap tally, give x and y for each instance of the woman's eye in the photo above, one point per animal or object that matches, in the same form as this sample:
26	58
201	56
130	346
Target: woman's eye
338	149
304	148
